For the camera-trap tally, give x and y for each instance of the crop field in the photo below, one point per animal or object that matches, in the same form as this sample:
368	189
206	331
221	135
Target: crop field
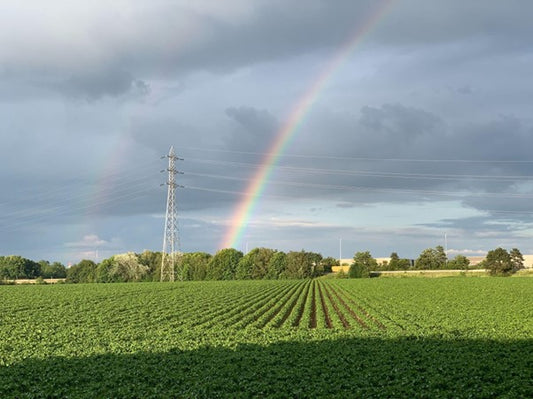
449	337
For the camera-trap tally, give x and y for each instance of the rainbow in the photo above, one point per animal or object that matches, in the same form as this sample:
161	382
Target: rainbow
259	181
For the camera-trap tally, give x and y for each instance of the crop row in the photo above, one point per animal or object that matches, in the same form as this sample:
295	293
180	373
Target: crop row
309	304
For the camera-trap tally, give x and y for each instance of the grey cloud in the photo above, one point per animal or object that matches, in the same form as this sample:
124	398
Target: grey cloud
255	129
170	39
392	133
94	85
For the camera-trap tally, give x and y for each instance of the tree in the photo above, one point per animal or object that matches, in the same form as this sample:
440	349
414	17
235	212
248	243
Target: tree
223	265
498	262
277	266
394	261
328	263
195	265
103	271
83	272
126	267
54	270
16	267
152	260
303	264
254	265
517	260
363	263
460	262
397	263
431	259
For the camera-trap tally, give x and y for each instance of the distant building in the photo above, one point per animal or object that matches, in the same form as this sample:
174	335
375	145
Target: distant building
528	260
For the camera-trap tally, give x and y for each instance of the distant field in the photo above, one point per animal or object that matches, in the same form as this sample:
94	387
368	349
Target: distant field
460	337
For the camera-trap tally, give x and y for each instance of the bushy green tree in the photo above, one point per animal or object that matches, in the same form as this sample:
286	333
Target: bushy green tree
54	270
517	260
126	268
16	267
195	265
277	266
498	262
431	259
223	265
83	272
328	263
397	263
304	265
363	263
254	265
103	270
152	260
460	262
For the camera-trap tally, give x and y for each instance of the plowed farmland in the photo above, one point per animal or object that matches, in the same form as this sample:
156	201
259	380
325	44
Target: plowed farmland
455	337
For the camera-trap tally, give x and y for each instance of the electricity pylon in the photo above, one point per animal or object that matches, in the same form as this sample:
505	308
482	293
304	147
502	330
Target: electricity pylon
171	243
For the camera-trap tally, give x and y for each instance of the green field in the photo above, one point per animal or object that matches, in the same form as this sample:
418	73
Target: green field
449	337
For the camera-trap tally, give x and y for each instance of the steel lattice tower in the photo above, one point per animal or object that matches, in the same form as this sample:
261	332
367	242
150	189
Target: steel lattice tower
171	243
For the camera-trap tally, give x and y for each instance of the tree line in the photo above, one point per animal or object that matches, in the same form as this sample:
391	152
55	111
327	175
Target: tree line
259	263
15	267
226	264
499	262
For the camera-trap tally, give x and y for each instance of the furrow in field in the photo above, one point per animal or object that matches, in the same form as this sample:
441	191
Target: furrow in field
252	312
348	309
249	307
305	319
355	301
228	303
231	307
336	307
297	316
269	312
210	304
287	308
312	321
323	313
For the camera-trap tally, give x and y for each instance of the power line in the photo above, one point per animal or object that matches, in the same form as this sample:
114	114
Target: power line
331	157
375	189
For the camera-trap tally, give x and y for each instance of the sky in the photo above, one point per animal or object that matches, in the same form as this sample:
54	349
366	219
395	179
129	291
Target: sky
421	126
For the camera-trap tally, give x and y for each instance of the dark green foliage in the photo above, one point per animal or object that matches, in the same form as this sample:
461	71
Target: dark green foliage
363	263
254	265
431	259
498	262
277	266
16	267
223	265
153	261
303	265
331	368
517	260
54	270
195	265
328	263
103	270
460	262
83	272
397	263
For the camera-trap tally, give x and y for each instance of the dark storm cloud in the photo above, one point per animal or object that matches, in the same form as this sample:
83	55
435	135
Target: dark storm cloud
395	153
416	22
175	38
429	82
94	85
255	129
